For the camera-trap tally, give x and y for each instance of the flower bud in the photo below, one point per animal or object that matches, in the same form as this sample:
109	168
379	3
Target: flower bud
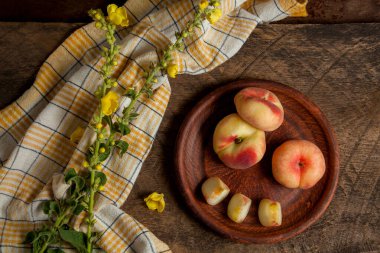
98	16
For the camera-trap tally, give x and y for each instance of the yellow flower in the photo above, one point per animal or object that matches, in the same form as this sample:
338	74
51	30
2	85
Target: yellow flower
110	103
85	164
155	201
101	188
117	15
214	16
98	167
77	135
172	70
203	4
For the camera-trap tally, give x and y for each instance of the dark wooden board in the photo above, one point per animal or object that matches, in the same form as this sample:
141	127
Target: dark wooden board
196	161
320	11
336	66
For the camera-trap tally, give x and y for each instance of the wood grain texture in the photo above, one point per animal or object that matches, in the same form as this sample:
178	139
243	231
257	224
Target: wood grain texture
320	11
337	66
195	161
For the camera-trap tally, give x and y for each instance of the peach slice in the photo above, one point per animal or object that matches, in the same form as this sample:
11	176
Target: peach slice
238	207
270	213
214	190
259	107
298	164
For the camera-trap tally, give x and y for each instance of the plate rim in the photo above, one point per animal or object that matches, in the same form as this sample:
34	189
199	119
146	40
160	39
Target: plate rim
327	195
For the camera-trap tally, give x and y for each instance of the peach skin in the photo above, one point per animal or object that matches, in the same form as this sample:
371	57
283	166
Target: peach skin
260	108
298	164
237	143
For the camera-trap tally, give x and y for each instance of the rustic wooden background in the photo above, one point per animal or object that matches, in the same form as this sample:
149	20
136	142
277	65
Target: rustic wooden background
336	65
321	11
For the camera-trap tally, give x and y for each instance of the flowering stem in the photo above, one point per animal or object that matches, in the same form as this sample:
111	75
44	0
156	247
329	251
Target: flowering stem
150	75
108	82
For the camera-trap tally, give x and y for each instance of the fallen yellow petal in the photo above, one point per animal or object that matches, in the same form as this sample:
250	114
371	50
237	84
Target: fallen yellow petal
155	201
77	135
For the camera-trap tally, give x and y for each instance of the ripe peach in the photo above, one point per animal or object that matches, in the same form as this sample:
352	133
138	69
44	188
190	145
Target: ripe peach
298	164
238	144
260	108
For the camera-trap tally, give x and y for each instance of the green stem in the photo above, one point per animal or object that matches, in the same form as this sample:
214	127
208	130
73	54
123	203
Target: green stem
57	224
90	212
93	188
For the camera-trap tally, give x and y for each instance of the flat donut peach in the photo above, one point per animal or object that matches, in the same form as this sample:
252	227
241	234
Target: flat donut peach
259	107
298	164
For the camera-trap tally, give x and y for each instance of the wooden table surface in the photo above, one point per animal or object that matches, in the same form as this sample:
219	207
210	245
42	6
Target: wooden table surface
337	66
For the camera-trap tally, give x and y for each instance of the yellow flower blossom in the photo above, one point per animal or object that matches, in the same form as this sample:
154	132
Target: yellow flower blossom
155	201
203	4
110	103
117	15
101	188
214	16
172	70
77	135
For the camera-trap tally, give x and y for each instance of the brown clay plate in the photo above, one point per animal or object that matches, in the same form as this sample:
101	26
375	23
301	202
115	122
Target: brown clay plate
196	161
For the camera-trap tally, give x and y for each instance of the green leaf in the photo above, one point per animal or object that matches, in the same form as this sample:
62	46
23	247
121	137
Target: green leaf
46	207
71	202
30	236
123	129
70	174
78	209
133	115
78	183
54	207
131	93
51	207
75	238
122	145
101	176
108	120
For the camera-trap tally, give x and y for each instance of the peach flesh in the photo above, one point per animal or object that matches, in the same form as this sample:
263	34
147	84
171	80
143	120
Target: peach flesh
298	164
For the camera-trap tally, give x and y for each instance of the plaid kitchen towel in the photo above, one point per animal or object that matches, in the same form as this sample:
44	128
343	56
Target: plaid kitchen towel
35	130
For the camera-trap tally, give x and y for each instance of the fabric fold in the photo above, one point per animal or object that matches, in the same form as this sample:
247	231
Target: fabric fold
35	130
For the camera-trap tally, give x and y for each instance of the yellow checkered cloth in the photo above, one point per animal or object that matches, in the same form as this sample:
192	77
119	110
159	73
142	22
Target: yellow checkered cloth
35	130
